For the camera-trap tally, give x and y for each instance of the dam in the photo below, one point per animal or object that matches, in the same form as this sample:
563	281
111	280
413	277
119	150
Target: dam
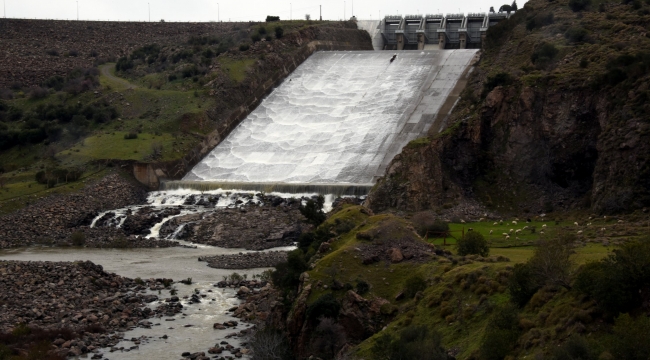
336	123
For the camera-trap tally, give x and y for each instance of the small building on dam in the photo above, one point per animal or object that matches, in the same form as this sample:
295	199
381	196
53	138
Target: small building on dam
431	32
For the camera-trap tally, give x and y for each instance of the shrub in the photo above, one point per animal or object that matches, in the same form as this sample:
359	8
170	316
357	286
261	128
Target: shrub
287	274
575	348
551	263
539	21
51	177
522	285
131	136
55	82
244	47
413	342
630	340
270	344
256	37
499	79
73	53
52	52
326	306
270	18
78	238
279	32
313	210
37	93
615	281
413	285
544	53
473	243
124	64
172	77
362	287
501	335
584	63
328	338
426	223
268	38
578	5
261	30
576	34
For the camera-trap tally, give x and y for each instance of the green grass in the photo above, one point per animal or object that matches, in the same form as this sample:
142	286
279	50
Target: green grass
497	239
114	146
236	69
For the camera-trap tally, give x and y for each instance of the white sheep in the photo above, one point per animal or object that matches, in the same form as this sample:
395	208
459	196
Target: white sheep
525	227
602	229
517	231
576	223
514	222
579	232
494	223
588	224
491	232
620	221
511	230
505	234
544	226
590	218
508	237
542	232
481	219
462	221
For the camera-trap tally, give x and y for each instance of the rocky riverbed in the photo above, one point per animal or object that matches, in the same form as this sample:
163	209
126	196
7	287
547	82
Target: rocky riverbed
86	305
52	220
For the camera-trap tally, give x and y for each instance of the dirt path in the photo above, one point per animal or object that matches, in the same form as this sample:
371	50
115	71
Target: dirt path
106	71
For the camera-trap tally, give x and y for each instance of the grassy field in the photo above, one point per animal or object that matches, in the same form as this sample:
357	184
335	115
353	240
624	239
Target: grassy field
236	69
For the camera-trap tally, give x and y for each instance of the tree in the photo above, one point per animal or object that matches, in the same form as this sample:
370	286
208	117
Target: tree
551	263
307	17
514	7
269	344
473	243
505	8
279	32
491	9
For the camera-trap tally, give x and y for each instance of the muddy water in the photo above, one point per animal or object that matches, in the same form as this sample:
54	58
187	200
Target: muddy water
175	263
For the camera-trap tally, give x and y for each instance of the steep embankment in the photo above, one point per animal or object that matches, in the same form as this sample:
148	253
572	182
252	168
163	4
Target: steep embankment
555	117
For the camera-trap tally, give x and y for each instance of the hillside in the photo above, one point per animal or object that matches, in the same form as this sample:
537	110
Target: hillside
555	118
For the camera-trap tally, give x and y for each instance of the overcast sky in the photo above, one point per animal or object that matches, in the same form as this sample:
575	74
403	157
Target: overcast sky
234	10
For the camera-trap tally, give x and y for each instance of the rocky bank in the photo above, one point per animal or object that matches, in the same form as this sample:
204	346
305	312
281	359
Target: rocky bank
82	302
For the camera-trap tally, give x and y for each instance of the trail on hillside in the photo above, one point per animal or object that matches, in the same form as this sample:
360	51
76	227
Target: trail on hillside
106	71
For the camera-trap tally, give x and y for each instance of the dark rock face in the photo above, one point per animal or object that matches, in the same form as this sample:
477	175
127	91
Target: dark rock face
545	151
76	297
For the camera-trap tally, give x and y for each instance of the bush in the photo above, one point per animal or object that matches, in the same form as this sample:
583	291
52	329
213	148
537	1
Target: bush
52	52
615	281
279	32
522	285
256	37
78	238
425	223
328	338
544	54
313	210
630	340
244	47
268	38
413	285
272	18
131	136
261	30
270	344
499	79
362	287
575	348
124	64
51	177
473	243
37	93
326	306
539	20
413	342
287	274
578	5
551	263
576	34
501	335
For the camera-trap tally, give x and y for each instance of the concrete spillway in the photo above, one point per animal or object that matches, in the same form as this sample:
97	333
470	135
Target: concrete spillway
336	122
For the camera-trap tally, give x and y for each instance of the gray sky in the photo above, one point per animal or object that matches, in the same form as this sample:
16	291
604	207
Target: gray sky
235	10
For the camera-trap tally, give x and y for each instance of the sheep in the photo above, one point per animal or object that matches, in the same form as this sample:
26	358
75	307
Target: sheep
514	222
517	231
590	218
576	223
541	232
620	221
491	232
579	232
481	219
505	234
508	237
470	229
602	229
544	226
525	227
462	221
494	223
511	230
588	224
516	238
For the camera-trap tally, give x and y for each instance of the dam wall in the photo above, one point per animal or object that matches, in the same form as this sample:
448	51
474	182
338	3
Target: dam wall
337	121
